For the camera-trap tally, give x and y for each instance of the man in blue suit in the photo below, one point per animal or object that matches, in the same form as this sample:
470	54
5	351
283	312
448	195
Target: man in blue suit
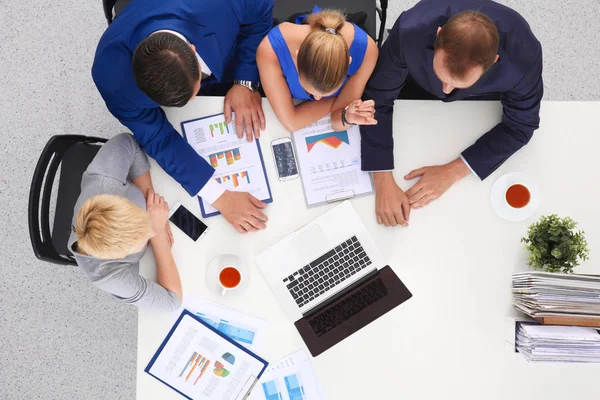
452	50
162	53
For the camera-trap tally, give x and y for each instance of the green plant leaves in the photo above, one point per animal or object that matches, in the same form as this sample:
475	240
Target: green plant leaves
554	245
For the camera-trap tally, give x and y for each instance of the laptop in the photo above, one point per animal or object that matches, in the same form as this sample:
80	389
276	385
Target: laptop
330	278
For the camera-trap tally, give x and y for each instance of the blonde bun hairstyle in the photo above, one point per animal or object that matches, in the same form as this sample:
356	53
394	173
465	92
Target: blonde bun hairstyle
323	58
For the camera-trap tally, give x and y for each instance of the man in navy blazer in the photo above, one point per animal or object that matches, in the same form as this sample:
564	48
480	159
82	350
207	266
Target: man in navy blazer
452	49
162	53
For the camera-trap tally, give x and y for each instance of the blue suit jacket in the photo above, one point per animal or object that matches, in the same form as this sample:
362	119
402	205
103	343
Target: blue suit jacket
409	51
226	34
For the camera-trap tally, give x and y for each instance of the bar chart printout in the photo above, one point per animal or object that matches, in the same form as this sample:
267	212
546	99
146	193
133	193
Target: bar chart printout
218	128
238	164
292	378
271	391
245	329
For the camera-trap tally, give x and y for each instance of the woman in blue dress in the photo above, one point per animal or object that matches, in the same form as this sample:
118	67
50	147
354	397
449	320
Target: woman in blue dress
326	62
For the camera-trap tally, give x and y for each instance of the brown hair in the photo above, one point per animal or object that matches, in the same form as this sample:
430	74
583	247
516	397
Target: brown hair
323	57
468	39
109	227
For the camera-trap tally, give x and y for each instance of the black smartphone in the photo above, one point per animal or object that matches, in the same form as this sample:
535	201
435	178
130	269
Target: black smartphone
187	222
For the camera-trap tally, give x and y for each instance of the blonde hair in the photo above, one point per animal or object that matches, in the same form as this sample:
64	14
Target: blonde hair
323	57
109	227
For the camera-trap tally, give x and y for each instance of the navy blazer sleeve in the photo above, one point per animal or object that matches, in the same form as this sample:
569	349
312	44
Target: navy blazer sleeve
256	19
521	116
159	139
388	78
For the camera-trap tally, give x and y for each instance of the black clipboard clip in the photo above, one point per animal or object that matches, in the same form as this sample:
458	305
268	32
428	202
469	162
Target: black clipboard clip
339	196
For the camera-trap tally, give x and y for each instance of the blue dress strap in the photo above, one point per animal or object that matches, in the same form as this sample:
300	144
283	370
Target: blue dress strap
287	64
357	50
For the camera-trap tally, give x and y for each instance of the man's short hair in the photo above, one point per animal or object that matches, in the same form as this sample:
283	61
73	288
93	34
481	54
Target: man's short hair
110	227
469	39
166	69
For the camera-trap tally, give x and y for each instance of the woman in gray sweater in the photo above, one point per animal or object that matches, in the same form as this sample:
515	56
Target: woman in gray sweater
116	216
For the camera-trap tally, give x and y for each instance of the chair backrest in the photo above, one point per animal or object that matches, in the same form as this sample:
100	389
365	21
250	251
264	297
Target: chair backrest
285	8
73	153
108	9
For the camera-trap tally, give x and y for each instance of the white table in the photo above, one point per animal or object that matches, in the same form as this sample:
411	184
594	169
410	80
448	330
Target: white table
457	257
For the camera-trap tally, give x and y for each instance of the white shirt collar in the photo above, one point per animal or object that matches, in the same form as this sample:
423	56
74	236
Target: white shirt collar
203	66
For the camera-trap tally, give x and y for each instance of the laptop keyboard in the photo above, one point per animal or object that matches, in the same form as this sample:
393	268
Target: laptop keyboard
327	271
347	308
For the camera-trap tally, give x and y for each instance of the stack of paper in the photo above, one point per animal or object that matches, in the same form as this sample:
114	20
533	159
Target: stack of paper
561	299
542	343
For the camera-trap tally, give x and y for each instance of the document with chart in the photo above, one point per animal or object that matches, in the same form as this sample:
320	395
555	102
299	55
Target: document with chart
292	378
330	163
247	330
238	164
200	363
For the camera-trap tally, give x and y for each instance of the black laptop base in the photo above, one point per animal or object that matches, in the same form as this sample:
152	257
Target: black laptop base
352	310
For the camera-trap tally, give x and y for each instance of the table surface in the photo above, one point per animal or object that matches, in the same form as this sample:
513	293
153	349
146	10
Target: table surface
457	258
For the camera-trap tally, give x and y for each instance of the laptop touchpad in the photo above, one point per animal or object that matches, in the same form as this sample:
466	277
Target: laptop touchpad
311	243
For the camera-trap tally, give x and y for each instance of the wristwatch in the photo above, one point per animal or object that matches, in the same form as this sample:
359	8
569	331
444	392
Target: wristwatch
344	120
253	86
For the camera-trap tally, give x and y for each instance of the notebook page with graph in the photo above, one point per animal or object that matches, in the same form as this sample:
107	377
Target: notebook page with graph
238	164
329	163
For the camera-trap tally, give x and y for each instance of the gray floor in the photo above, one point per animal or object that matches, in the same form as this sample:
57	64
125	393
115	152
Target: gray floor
61	338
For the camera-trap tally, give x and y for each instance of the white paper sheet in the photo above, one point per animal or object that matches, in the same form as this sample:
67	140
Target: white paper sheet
292	378
329	162
245	329
237	162
203	365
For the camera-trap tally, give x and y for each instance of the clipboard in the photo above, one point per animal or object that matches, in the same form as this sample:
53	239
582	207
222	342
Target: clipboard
211	212
221	336
329	163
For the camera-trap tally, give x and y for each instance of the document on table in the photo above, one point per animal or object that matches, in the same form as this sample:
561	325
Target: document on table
238	164
292	378
245	329
200	363
329	163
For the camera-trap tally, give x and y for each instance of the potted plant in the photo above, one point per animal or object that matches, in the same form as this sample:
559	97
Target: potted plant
554	245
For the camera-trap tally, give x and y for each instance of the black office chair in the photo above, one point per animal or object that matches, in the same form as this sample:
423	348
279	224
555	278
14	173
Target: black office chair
118	6
73	153
285	8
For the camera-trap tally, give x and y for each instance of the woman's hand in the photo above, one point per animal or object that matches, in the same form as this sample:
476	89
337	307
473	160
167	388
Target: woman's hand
361	112
158	209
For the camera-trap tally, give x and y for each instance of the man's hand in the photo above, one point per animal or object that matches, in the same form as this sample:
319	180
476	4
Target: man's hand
434	181
242	210
248	111
361	112
392	207
158	209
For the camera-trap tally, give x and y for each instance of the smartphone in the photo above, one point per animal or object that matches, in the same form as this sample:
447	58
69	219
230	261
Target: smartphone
285	159
187	222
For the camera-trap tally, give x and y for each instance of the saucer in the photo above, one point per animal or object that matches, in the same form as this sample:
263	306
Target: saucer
214	268
498	199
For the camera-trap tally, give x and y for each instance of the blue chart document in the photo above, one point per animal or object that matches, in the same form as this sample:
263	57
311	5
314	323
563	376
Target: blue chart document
294	388
237	333
243	328
292	378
